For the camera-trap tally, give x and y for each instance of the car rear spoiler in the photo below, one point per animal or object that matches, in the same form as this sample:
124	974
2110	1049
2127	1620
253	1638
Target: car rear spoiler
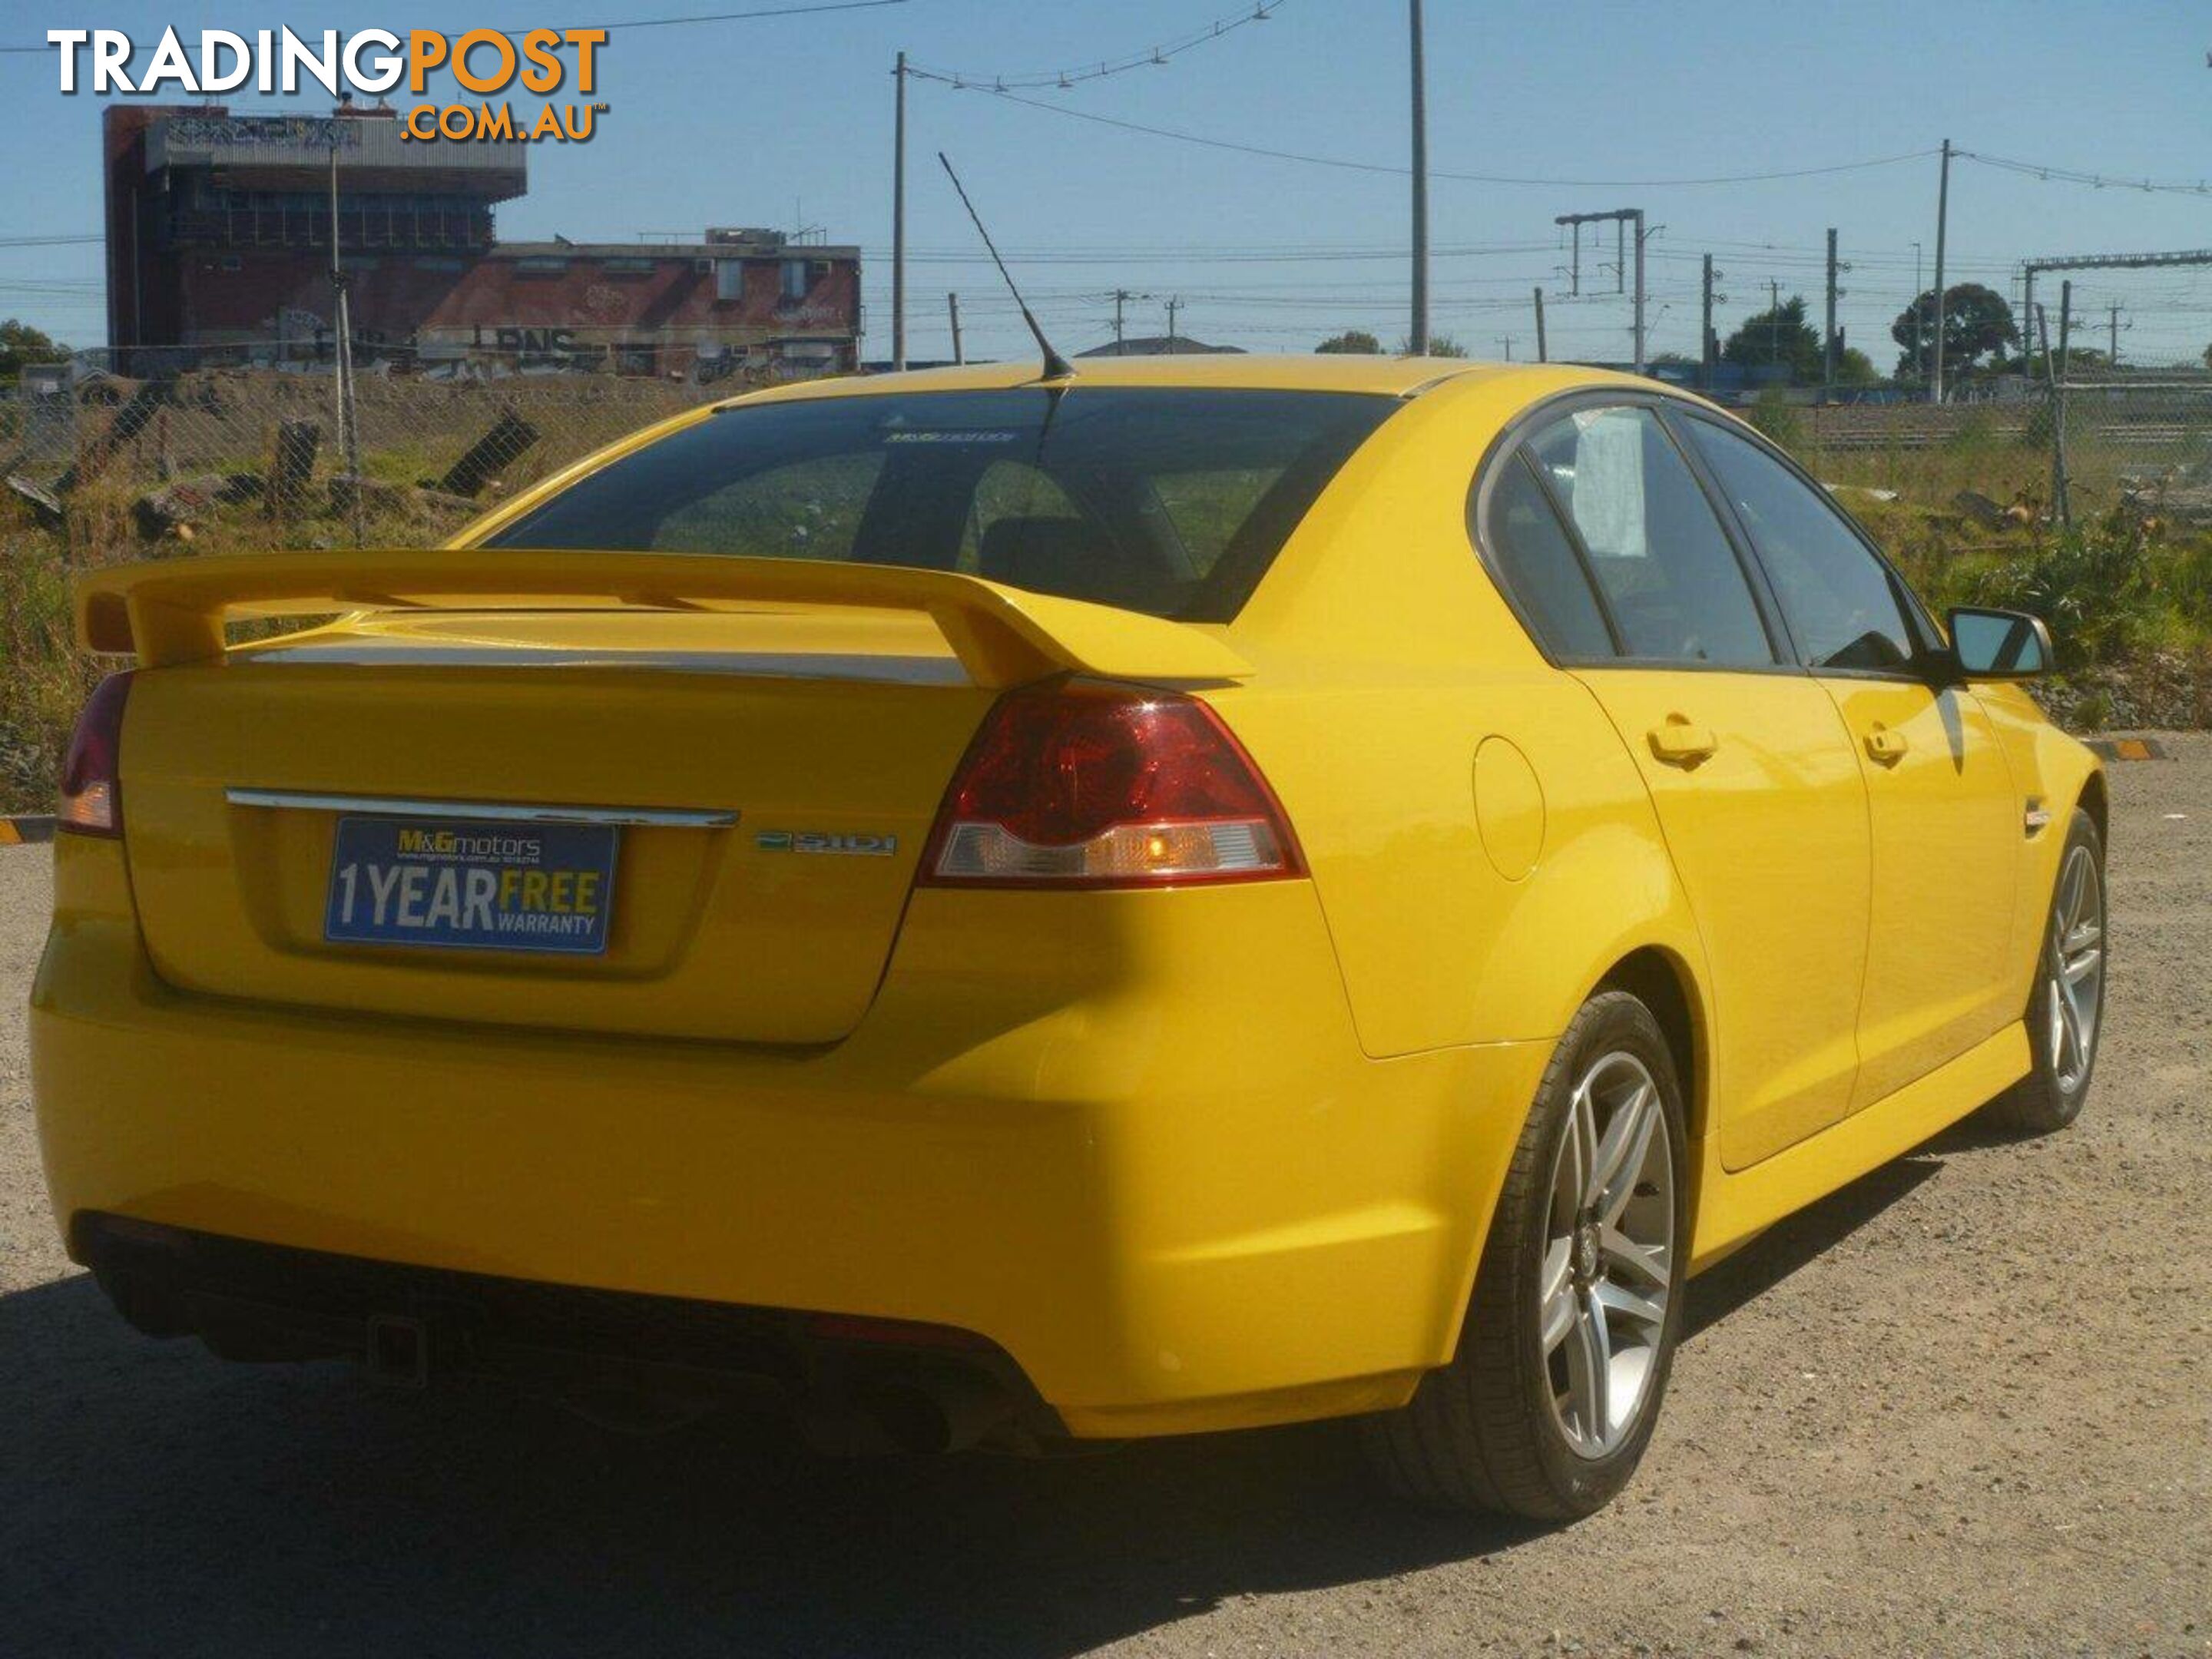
173	610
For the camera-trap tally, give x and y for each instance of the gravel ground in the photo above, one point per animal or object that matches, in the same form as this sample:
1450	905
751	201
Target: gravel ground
1958	1408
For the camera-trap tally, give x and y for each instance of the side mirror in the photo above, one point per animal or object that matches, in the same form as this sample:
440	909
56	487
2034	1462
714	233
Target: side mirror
1999	645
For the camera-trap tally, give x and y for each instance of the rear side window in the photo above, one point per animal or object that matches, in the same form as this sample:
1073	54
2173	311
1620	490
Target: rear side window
1540	567
1670	580
1169	500
1840	601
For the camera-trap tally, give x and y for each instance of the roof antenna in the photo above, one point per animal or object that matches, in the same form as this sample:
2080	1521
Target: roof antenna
1056	368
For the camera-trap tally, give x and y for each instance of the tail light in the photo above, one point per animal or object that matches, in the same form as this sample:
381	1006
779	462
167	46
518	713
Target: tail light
1078	785
92	792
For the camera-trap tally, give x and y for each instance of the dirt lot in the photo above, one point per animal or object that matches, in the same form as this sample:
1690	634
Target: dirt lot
1960	1408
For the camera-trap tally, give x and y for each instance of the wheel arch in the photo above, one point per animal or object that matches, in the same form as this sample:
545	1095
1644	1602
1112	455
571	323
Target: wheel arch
2095	801
1660	980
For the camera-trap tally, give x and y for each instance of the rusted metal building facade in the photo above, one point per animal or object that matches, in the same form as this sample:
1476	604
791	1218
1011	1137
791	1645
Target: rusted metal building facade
218	241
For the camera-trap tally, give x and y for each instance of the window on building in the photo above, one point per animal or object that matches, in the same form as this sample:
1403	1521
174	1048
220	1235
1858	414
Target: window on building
795	282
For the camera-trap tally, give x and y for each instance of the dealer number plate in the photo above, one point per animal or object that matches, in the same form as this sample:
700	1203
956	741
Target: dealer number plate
471	884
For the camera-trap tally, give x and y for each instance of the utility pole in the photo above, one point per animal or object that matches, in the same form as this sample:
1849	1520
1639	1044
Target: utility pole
2112	356
952	305
1942	228
1624	218
1506	340
1121	297
1174	306
1828	334
1639	291
2060	483
342	359
1920	315
898	219
1542	355
1773	321
1417	339
1707	347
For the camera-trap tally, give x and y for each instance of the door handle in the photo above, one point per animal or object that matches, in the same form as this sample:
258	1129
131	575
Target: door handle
1678	743
1886	746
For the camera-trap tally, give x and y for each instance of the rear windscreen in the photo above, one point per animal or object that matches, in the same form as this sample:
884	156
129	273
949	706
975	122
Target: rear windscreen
1166	500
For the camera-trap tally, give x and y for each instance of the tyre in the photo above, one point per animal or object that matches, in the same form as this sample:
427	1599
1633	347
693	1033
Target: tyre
1548	1403
2066	1009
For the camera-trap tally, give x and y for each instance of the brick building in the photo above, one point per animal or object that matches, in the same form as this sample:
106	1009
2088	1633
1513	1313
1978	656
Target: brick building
218	237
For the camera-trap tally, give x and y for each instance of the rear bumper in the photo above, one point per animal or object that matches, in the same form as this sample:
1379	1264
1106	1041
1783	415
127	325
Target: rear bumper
1153	1168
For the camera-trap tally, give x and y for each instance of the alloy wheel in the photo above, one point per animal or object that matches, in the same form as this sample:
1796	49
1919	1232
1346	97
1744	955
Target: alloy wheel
1608	1269
2074	971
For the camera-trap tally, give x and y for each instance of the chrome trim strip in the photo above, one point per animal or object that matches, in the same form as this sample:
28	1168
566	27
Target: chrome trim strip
304	800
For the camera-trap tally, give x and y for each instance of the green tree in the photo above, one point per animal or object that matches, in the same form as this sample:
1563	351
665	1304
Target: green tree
1855	367
1779	334
21	343
1356	342
1976	321
1440	346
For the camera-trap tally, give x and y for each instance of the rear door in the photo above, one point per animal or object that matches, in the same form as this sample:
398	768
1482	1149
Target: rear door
1945	816
1618	557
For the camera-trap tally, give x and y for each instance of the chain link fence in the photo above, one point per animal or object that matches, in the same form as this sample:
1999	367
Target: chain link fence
204	443
2140	441
2022	455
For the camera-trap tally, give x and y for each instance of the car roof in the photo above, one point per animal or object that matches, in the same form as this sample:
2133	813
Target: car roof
1396	377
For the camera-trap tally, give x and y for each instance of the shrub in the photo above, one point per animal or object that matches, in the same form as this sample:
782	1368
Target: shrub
2096	586
1779	419
44	677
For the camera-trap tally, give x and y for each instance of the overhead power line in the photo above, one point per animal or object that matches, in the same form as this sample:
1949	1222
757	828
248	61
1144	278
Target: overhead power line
2073	176
1109	257
1347	164
1156	57
649	22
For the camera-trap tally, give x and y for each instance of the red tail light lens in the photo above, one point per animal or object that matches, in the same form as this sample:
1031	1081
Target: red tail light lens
92	793
1098	785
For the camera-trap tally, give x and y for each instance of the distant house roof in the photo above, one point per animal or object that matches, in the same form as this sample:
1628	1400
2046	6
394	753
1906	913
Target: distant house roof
1157	345
714	250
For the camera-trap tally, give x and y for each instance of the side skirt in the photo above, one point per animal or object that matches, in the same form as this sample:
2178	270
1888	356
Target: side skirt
1733	1207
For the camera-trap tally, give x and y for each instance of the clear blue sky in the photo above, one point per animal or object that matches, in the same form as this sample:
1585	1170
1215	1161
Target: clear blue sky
766	122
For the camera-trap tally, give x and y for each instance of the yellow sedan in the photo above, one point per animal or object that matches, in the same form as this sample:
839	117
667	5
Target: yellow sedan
1205	892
